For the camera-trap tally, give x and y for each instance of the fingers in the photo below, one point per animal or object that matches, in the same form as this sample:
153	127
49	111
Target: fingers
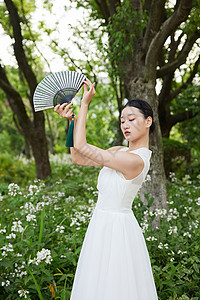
64	110
62	106
66	105
90	84
85	87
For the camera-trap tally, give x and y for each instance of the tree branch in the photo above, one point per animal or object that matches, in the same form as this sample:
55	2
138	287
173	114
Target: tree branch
179	16
136	5
18	47
188	81
181	57
104	9
113	5
174	45
180	117
156	14
32	37
14	99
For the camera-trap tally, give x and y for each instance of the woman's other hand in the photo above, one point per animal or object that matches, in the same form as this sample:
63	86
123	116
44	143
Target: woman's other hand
88	95
64	110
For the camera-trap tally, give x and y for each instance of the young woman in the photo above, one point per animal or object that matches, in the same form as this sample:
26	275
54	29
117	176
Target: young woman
114	262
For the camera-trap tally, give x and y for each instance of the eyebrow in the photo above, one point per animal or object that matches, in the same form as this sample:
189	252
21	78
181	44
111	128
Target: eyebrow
128	115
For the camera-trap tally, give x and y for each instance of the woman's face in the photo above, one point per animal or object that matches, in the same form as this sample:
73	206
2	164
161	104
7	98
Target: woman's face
133	123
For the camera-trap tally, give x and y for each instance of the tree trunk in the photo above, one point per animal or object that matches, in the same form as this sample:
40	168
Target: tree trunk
156	187
33	131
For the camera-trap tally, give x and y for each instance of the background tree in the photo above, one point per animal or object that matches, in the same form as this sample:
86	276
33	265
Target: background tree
31	124
140	52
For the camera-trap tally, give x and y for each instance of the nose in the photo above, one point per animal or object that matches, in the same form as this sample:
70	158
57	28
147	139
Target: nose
125	125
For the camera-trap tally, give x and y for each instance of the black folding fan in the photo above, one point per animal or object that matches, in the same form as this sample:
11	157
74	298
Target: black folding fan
58	88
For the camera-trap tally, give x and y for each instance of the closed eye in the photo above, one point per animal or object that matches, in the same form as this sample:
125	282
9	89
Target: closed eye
129	120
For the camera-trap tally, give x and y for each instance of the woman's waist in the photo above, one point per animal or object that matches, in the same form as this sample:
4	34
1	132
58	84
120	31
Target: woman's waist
113	207
111	203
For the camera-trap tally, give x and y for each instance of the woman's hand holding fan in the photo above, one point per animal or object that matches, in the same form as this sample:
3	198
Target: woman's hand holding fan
57	90
65	111
88	95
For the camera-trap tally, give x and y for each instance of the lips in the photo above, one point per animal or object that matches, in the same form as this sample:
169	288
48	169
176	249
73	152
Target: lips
126	132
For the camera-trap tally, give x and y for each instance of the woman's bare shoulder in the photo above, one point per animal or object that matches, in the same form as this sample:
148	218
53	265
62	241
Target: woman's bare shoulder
115	148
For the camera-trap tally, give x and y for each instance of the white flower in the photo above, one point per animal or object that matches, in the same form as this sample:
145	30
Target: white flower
56	207
1	197
40	206
17	226
29	207
60	194
23	293
144	226
166	246
7	283
198	201
187	209
90	188
187	234
91	201
59	181
43	255
187	176
195	223
70	199
160	212
181	252
30	217
8	248
60	229
172	229
14	189
173	214
161	245
188	182
171	174
33	190
148	178
151	238
3	230
11	236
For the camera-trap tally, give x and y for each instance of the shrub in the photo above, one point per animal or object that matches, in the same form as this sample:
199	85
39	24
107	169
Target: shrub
44	223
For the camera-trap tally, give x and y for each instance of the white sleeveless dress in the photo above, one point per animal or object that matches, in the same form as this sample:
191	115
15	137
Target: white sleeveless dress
114	262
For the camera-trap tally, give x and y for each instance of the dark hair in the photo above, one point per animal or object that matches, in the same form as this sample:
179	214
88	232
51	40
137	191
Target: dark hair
144	108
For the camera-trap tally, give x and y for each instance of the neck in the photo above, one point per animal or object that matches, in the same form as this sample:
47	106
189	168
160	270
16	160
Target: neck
133	145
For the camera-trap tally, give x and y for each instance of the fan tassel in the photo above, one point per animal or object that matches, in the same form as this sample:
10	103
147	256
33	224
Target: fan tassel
69	142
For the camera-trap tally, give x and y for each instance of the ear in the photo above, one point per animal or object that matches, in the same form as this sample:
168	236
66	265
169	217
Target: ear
149	122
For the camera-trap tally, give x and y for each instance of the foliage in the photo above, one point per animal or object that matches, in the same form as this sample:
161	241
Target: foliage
13	168
37	216
124	29
189	101
174	246
44	223
176	157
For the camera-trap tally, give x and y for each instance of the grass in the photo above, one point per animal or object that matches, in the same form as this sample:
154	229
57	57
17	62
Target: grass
42	227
